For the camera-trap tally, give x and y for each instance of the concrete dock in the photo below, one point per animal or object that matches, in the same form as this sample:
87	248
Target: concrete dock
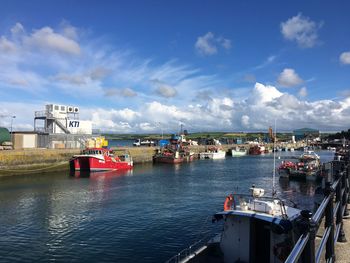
47	160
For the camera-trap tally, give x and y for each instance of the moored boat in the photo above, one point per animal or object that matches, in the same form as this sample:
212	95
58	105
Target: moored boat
147	142
213	152
100	159
238	151
308	167
174	152
285	167
256	150
173	156
256	229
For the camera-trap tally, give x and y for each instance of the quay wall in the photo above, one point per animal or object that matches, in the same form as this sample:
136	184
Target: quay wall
48	160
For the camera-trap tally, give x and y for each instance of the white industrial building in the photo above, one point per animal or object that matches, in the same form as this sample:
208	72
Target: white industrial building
59	126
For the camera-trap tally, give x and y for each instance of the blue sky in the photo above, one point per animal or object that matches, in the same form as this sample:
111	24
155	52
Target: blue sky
136	66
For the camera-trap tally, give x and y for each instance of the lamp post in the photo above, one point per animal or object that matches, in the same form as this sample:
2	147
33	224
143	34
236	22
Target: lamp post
161	128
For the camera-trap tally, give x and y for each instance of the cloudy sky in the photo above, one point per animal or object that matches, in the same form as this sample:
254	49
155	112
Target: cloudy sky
142	66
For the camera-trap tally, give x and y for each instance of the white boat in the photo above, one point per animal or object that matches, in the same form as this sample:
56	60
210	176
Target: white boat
256	229
332	149
212	153
138	142
238	151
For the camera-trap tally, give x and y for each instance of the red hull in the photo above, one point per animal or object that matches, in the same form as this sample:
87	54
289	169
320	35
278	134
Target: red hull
94	164
172	160
161	159
255	150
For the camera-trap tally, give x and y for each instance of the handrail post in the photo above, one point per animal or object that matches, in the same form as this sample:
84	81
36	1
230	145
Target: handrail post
329	222
348	185
339	198
308	254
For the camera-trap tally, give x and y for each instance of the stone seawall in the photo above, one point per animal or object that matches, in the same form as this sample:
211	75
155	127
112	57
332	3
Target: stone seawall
48	160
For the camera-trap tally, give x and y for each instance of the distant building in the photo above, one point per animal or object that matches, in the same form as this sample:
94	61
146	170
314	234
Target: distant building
306	133
58	126
25	140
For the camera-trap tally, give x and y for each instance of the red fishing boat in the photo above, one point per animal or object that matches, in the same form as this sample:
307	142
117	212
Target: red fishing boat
100	159
256	150
169	155
174	152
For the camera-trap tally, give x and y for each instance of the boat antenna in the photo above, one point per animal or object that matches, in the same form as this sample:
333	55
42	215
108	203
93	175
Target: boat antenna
274	163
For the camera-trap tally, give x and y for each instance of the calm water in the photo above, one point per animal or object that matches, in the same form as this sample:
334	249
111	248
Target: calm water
120	143
146	215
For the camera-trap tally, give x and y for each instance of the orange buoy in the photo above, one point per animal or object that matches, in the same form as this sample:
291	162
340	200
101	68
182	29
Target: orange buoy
228	202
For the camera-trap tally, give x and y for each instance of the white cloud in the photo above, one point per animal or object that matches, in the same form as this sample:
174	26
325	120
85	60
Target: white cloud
98	73
225	43
262	94
68	30
12	77
98	66
71	79
245	121
45	38
20	110
258	111
146	127
124	92
302	92
205	105
345	57
164	90
17	29
302	30
207	45
6	45
128	92
267	62
289	78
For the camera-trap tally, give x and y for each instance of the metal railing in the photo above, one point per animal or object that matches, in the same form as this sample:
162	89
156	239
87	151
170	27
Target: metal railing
43	113
333	208
196	247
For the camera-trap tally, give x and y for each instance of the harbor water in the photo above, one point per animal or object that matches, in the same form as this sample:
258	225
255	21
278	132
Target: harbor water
144	215
120	143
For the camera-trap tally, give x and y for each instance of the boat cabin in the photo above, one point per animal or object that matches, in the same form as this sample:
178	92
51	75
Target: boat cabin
97	151
255	229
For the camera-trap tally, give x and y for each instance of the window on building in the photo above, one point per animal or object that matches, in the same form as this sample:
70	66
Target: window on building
56	107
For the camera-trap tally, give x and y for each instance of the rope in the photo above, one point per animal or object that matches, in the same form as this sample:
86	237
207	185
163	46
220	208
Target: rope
32	170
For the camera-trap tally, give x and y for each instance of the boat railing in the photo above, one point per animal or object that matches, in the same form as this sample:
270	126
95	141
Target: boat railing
332	209
185	254
43	114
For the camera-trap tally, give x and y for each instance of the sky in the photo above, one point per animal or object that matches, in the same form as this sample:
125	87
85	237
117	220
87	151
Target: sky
146	66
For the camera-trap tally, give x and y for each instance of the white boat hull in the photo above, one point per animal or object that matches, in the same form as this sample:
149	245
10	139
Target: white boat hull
212	155
238	153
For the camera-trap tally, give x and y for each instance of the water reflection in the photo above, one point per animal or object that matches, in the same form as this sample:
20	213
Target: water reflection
306	188
102	174
95	217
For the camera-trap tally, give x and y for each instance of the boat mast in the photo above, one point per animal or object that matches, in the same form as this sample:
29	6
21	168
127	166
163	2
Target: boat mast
274	163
